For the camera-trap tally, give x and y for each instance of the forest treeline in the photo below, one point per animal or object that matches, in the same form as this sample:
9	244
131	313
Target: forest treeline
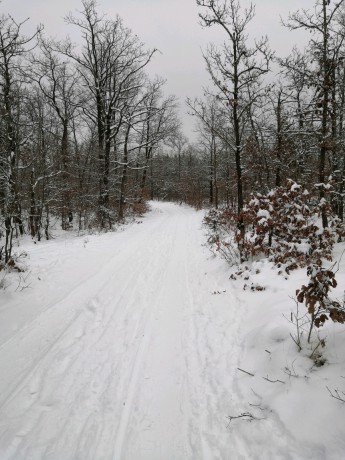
86	136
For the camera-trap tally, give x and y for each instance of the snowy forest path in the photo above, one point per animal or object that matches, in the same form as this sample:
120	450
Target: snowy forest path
131	360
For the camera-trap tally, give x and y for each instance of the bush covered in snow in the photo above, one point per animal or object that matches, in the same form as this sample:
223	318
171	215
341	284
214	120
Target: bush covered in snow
283	225
220	224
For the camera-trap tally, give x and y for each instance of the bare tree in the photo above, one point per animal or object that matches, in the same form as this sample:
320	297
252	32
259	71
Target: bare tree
13	46
212	129
322	22
233	68
110	60
159	125
58	83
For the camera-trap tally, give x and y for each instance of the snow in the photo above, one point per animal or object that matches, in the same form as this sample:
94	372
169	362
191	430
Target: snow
295	187
323	186
129	345
263	213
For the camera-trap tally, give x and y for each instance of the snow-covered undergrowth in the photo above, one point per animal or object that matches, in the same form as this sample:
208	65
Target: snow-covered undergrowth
139	345
281	385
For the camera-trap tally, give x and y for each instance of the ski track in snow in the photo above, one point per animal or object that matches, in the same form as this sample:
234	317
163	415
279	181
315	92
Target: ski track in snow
135	361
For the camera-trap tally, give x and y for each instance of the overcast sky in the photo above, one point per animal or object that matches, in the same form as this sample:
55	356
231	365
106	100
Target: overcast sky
172	26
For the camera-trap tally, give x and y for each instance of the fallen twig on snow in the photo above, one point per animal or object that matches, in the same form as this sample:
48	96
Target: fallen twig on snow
244	416
273	381
336	395
246	372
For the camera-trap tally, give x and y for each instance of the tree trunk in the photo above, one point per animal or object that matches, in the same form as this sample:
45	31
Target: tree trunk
122	200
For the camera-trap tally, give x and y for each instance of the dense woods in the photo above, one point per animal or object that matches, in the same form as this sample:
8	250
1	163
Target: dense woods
86	136
79	126
277	118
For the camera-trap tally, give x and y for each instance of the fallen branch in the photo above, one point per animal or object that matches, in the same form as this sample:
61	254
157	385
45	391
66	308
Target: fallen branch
246	372
272	381
244	416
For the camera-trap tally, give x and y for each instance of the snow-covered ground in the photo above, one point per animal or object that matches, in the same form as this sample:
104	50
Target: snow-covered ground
128	345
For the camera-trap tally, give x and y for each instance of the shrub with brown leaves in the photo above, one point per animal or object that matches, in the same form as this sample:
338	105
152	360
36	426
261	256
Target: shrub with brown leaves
283	225
316	298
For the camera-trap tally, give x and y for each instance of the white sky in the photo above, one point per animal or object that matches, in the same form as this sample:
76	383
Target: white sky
172	27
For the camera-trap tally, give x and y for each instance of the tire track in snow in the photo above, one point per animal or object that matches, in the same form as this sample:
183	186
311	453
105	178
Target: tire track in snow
41	368
71	296
64	333
214	312
142	349
33	367
82	282
157	416
132	376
